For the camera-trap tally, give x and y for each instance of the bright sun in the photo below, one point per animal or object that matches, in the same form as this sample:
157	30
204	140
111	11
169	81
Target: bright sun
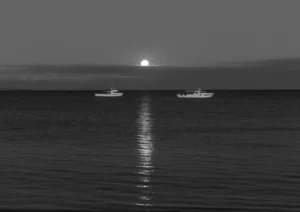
144	63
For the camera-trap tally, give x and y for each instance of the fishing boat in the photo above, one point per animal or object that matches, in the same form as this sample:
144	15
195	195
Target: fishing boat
198	93
110	93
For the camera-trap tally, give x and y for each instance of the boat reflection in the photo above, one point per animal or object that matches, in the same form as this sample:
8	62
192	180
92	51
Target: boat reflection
145	149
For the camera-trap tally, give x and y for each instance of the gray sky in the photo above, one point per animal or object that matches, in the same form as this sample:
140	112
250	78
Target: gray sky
170	32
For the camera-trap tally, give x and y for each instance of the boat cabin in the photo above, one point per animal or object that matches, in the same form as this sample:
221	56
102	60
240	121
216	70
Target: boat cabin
198	91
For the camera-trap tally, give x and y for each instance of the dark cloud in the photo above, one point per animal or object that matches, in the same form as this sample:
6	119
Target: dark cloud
268	74
63	73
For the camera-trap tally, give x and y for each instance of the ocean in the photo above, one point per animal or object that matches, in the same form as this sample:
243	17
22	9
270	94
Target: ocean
150	151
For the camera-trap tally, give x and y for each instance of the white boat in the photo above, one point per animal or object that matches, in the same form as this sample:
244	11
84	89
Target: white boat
111	93
195	94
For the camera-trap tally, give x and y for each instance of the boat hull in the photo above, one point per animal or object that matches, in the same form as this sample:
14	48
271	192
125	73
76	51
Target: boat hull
108	95
192	96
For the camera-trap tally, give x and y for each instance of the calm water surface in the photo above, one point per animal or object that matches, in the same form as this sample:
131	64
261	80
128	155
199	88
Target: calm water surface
239	151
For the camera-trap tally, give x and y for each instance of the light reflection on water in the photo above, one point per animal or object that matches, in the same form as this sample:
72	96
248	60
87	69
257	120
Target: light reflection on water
145	149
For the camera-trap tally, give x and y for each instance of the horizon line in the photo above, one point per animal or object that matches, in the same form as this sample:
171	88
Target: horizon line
220	63
107	65
212	89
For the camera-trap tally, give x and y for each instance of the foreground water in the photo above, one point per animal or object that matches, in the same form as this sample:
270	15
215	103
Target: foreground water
239	151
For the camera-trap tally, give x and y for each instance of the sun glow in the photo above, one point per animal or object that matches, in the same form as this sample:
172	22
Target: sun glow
144	63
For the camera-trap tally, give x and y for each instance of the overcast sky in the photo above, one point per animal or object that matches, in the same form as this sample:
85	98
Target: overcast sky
169	32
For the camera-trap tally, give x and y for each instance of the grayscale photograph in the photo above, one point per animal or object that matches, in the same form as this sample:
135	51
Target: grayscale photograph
150	105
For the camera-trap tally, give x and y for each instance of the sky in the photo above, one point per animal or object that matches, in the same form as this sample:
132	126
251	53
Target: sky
168	32
193	33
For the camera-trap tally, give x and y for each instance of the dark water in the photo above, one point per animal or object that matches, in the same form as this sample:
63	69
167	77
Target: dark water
239	151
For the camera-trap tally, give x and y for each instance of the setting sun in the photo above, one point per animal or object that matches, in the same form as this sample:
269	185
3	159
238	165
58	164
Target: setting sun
144	63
